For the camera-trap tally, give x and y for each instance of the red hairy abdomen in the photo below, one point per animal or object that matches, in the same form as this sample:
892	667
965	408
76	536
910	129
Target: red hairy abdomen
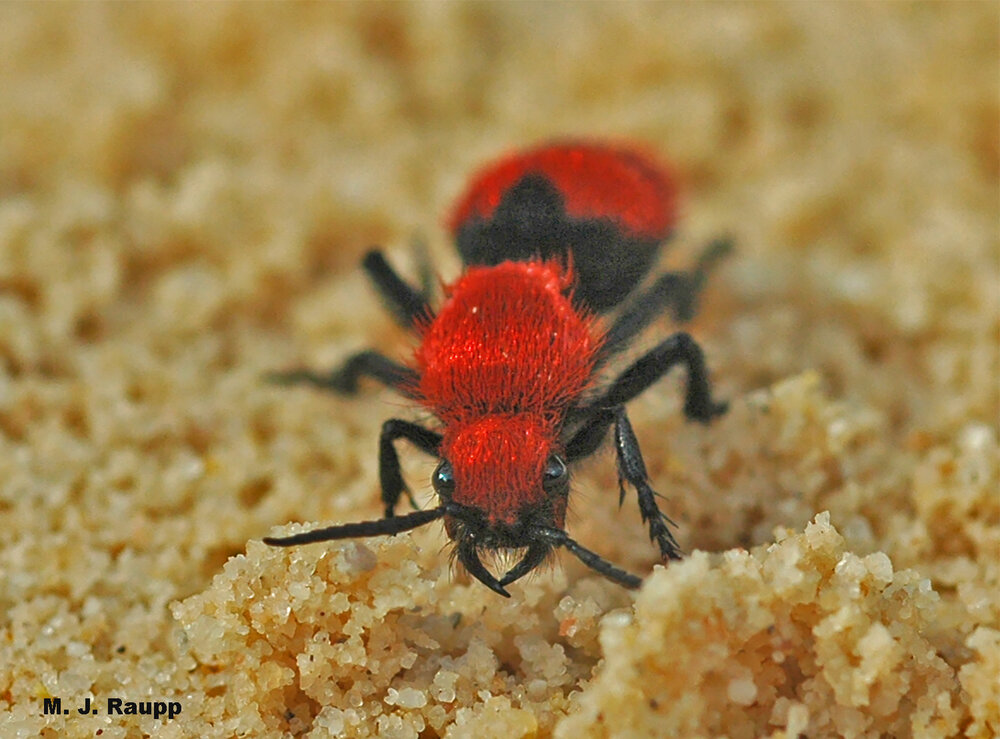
508	339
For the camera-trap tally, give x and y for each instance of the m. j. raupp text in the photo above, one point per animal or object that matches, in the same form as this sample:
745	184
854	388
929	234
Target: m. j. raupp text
116	707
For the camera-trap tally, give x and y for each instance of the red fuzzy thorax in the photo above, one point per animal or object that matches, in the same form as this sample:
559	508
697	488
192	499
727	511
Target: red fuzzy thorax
503	359
597	182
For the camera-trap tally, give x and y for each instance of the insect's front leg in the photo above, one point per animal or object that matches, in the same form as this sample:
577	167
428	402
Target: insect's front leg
632	470
389	471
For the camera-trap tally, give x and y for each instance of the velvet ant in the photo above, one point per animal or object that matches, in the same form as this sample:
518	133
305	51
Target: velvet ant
510	363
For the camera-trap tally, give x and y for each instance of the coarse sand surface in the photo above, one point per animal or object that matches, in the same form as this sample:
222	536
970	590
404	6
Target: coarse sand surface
186	190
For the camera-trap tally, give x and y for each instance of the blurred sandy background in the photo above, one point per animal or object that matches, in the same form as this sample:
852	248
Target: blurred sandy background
185	192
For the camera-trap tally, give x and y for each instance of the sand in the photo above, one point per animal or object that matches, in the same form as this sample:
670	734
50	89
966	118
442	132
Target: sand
185	194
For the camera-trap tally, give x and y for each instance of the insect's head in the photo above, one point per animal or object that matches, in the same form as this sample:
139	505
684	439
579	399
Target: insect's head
502	485
502	479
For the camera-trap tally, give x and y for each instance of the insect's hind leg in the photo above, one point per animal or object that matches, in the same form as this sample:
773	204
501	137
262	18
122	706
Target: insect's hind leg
344	380
677	292
407	304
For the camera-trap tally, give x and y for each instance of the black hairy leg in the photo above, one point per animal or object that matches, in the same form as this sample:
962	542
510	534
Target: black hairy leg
677	349
677	292
559	538
344	379
389	471
632	470
594	419
407	304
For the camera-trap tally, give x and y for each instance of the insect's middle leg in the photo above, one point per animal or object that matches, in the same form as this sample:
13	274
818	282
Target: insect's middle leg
408	306
344	379
677	349
598	415
389	471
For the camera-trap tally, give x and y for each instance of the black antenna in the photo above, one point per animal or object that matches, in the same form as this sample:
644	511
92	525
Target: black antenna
381	527
559	538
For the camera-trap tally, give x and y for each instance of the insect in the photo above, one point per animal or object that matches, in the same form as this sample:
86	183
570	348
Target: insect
511	364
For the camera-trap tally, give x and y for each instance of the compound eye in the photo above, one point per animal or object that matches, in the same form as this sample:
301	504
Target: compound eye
444	478
555	472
